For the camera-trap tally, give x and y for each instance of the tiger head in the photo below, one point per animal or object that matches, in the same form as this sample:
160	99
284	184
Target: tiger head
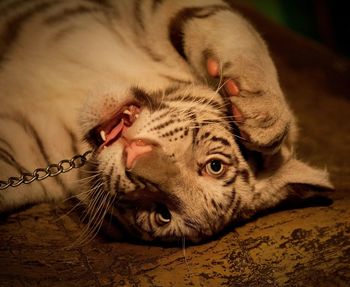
169	164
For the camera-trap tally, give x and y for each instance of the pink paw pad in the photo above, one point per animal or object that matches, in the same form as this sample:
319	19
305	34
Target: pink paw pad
237	115
213	67
231	88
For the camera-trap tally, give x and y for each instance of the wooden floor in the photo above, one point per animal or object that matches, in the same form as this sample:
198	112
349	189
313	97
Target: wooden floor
300	247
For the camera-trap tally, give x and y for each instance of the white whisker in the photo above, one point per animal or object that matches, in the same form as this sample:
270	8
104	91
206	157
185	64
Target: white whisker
184	254
221	79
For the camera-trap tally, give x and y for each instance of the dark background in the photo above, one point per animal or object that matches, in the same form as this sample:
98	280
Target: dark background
326	21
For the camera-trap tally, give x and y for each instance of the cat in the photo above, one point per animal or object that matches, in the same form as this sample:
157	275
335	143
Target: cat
178	100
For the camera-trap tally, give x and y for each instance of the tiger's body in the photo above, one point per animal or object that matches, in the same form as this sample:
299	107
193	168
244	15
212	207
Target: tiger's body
180	101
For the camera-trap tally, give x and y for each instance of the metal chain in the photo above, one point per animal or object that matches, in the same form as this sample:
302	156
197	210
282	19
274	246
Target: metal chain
51	170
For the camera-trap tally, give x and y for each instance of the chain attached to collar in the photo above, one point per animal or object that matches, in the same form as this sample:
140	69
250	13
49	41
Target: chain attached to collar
51	170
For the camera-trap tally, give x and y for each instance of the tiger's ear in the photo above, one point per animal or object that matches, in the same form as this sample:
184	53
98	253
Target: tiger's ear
291	183
296	172
304	184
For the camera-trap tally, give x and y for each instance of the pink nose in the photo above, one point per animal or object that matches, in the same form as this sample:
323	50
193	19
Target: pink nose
134	149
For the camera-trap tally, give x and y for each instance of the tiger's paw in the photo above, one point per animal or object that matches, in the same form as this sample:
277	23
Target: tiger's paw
213	69
263	120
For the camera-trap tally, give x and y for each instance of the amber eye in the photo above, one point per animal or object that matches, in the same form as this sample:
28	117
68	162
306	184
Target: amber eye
215	167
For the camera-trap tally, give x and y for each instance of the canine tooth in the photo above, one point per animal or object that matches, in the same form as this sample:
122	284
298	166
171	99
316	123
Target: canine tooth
127	112
103	135
136	116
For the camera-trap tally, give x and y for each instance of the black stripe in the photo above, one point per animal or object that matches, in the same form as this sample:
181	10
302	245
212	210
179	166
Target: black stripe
178	22
214	149
117	185
205	135
8	161
148	100
143	97
13	27
61	33
245	175
73	139
32	130
104	3
150	227
12	6
157	119
276	142
190	223
231	206
228	156
234	206
132	178
8	158
156	4
248	93
230	181
66	14
153	55
221	140
231	129
163	125
195	130
214	204
7	144
138	13
211	121
139	19
209	220
171	89
176	80
108	179
28	128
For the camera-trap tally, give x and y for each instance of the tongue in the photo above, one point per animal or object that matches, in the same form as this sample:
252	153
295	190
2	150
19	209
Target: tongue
114	133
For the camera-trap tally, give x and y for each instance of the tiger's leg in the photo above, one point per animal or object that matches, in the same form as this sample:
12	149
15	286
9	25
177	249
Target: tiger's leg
263	119
220	44
24	148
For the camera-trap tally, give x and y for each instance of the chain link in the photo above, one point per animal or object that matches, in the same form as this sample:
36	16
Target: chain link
51	170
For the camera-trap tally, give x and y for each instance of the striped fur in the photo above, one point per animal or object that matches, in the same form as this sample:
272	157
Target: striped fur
66	67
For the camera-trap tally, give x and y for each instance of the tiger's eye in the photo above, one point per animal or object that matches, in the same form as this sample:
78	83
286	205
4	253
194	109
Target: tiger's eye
162	215
215	167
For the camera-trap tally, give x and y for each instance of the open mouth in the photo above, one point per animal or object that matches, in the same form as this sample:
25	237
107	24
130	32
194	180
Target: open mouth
111	130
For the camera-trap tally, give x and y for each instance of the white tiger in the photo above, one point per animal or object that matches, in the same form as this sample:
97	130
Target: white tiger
179	101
